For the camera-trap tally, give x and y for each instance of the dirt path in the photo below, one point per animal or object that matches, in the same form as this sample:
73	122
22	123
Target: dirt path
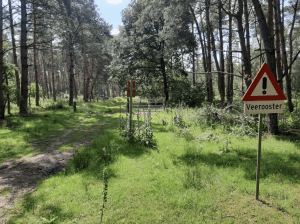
20	176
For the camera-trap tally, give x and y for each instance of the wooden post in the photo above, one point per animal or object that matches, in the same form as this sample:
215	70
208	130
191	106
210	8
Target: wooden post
258	156
127	104
74	106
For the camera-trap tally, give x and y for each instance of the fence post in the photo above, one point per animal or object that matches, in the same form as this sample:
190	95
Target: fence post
74	106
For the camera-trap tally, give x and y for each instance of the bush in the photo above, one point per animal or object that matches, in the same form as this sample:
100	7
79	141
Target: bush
32	90
55	105
142	134
295	119
232	120
182	92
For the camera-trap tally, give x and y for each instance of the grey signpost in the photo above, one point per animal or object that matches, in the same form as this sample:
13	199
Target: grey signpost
263	96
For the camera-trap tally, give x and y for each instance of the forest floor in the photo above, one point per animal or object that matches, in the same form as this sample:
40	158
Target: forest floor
198	170
21	175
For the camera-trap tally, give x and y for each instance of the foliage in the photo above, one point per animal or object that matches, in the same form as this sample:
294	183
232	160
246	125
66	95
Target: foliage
9	73
196	179
141	134
233	121
182	92
295	119
55	105
149	45
32	90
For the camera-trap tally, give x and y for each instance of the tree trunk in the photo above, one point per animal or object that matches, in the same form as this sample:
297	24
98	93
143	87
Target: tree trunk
75	88
200	37
85	71
49	79
220	75
14	51
2	104
52	71
267	35
45	77
246	64
90	73
248	71
24	80
285	64
71	67
194	79
58	84
209	76
7	96
221	79
37	91
278	53
288	79
229	67
107	89
71	72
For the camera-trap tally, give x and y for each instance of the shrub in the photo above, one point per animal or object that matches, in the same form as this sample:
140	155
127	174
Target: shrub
182	92
142	134
295	119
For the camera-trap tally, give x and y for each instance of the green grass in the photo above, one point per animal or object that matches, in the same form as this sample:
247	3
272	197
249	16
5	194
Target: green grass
204	175
26	136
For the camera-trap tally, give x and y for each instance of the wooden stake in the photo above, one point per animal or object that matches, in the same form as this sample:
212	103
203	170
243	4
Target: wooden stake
258	156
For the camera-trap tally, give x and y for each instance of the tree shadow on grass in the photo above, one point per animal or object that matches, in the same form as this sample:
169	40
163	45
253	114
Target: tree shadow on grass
289	136
287	166
46	213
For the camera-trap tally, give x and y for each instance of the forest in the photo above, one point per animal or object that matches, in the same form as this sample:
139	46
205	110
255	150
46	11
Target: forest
186	152
172	49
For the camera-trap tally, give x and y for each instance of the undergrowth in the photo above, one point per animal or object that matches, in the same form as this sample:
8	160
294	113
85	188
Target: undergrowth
201	170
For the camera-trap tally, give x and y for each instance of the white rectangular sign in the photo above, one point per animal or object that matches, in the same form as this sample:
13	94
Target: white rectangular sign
263	107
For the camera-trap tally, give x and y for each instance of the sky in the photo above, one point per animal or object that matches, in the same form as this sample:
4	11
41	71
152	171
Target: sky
110	11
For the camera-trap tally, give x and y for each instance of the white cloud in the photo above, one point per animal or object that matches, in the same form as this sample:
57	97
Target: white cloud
114	2
114	31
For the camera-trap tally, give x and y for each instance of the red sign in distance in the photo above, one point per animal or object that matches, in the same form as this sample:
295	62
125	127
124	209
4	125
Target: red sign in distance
264	70
128	90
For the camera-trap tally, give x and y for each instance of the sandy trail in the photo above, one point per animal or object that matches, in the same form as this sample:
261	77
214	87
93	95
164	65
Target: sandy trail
19	176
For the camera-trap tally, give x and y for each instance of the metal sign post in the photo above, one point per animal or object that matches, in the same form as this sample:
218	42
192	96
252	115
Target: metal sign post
263	96
258	156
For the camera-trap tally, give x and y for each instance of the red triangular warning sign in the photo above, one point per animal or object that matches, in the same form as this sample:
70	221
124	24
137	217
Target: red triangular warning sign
264	87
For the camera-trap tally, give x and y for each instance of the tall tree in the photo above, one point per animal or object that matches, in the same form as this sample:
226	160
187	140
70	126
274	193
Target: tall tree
266	30
208	74
2	105
221	75
37	92
14	51
52	72
24	80
229	67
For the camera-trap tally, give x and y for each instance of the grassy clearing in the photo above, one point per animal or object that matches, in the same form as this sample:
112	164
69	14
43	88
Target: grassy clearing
28	136
196	173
